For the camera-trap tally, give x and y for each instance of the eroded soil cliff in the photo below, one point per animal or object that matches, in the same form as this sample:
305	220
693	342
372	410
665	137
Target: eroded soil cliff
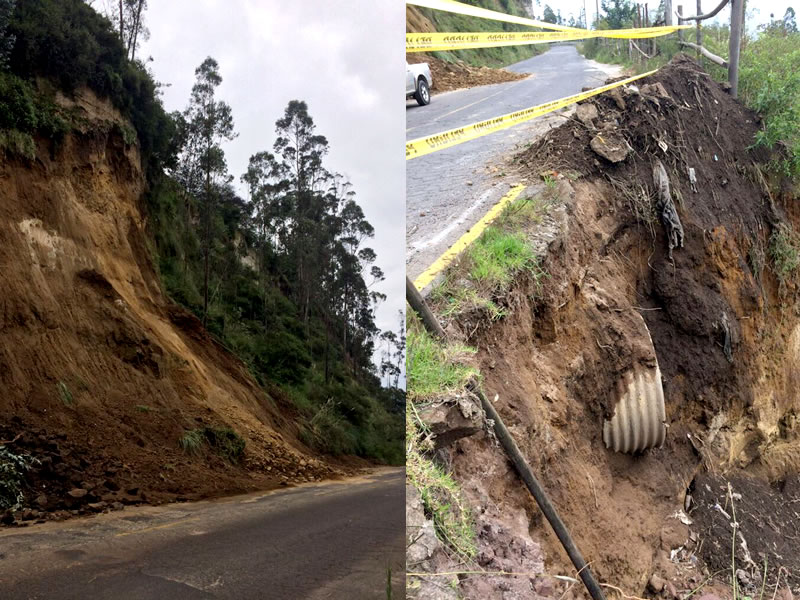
102	375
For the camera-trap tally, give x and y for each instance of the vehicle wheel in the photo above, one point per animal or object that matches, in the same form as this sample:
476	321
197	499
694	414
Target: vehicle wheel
423	94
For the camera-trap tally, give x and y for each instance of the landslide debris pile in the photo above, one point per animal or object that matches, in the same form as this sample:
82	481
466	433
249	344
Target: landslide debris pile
449	76
720	314
459	70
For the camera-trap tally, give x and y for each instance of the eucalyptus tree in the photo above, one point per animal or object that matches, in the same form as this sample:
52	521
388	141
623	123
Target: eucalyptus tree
208	124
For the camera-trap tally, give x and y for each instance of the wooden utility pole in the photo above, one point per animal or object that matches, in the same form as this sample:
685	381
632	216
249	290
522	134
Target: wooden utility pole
667	12
597	11
699	31
737	16
680	14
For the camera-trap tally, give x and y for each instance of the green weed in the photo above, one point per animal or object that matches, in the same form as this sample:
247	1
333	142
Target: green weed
222	440
142	408
433	368
64	394
12	477
192	441
784	250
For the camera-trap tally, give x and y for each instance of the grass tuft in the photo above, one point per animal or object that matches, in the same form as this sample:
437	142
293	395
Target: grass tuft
784	250
433	368
64	394
192	441
222	440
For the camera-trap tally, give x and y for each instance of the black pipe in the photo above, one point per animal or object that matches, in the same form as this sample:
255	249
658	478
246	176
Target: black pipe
547	508
417	302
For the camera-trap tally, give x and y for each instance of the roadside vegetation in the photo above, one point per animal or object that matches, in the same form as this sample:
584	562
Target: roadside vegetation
482	276
282	275
224	441
436	372
13	467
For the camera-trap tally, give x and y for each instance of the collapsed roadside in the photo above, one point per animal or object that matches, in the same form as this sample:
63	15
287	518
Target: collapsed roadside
554	340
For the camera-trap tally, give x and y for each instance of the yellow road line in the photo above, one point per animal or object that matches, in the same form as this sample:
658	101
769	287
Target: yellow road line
465	240
165	526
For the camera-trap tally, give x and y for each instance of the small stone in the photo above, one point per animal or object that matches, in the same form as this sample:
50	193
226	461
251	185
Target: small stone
670	591
41	500
610	146
586	113
98	506
469	183
117	506
7	518
78	492
656	583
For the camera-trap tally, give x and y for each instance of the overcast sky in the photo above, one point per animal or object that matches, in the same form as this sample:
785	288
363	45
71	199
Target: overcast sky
757	12
344	58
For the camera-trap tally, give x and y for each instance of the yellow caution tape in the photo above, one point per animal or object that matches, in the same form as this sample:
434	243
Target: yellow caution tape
485	13
430	42
446	139
418	42
436	41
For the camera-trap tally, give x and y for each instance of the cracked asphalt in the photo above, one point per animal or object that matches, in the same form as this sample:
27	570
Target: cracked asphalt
336	539
448	191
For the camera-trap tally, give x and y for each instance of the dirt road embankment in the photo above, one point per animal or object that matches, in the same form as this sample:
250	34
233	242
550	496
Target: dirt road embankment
701	292
102	376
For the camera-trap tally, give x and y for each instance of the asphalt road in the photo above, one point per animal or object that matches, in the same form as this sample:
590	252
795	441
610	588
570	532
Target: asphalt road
326	540
449	191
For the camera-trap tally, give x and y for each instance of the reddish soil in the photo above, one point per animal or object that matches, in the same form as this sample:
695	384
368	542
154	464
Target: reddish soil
449	76
101	373
556	360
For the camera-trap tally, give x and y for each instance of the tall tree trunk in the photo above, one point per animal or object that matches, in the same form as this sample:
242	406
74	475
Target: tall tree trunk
207	247
327	346
132	43
121	30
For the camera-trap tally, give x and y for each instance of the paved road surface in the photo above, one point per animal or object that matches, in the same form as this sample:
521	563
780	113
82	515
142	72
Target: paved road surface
436	184
327	540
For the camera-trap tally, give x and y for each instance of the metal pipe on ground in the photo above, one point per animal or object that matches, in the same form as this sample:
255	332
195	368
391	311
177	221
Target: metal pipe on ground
417	302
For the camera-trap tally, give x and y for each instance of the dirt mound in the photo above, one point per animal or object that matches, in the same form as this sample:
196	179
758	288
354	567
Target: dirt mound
713	313
449	76
101	374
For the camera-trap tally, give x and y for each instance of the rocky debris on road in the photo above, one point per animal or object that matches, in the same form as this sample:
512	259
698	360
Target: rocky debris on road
448	76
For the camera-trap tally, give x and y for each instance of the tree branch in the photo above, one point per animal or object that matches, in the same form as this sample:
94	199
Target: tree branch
706	16
712	57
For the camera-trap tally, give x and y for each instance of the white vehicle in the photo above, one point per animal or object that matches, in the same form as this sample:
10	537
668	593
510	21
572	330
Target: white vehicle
418	83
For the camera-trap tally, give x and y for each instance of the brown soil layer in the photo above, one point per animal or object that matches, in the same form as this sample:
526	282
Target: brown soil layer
449	76
556	361
101	374
768	524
